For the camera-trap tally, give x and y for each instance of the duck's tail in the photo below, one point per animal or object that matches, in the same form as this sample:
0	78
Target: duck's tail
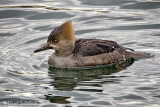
140	55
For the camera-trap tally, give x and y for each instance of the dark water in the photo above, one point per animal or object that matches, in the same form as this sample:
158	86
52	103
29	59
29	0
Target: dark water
27	80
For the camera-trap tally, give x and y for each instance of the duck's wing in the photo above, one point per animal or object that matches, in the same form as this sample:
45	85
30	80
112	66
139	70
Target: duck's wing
90	47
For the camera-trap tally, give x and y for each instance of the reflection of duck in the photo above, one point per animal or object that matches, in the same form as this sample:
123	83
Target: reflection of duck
67	79
70	52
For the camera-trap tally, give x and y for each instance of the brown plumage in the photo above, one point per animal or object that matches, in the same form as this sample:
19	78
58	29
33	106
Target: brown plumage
90	47
70	52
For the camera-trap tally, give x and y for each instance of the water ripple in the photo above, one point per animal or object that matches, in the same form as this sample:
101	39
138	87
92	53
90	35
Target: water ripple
24	75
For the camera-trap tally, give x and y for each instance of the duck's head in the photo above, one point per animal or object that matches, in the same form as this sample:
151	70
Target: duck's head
61	39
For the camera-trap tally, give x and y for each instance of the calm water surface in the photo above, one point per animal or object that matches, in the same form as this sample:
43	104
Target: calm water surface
27	80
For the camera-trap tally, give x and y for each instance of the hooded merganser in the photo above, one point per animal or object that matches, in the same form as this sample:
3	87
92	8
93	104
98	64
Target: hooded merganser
72	53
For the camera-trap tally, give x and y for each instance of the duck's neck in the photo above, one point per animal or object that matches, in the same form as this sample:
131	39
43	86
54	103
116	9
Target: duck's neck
65	51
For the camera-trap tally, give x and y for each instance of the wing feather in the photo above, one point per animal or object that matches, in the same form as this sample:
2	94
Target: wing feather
90	47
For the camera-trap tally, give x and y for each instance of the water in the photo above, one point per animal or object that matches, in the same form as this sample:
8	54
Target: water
27	80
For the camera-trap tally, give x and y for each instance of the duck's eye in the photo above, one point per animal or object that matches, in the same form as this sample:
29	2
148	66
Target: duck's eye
55	41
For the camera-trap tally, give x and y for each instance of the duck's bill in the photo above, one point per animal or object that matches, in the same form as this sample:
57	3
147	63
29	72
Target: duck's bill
45	47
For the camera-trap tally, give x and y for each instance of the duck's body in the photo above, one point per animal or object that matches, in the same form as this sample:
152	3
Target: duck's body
90	52
71	53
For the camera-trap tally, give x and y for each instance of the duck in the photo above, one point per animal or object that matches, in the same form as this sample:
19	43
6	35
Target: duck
80	53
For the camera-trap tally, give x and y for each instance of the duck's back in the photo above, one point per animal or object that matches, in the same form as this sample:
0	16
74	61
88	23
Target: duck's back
95	47
91	47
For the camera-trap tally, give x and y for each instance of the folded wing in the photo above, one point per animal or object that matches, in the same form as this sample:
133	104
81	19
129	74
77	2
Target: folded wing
90	47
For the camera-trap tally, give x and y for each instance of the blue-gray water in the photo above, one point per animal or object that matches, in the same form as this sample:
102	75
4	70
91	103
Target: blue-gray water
27	80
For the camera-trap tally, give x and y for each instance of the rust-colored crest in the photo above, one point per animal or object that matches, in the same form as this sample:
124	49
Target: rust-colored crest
67	30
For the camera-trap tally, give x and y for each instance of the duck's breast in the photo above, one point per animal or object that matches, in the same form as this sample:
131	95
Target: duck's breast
62	62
